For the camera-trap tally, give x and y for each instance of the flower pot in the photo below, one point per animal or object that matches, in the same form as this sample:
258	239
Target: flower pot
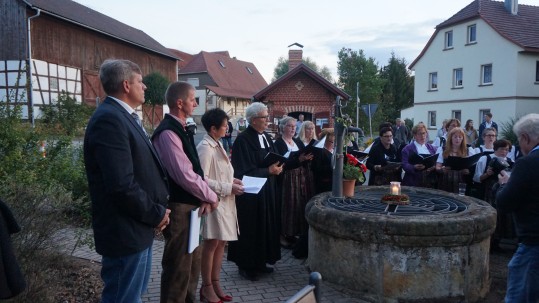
348	187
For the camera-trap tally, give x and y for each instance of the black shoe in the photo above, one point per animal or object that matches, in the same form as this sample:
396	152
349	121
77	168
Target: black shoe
248	274
265	269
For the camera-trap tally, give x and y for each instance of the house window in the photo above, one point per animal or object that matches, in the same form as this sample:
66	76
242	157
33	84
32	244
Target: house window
448	39
433	81
193	81
222	64
472	34
457	77
456	114
486	74
537	71
249	70
197	99
432	119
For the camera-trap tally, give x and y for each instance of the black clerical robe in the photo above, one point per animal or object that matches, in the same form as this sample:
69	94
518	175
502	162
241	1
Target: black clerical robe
258	215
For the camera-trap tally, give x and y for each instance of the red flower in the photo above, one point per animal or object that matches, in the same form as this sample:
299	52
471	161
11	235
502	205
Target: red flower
352	160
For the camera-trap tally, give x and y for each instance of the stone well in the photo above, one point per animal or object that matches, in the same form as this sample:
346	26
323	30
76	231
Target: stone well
434	250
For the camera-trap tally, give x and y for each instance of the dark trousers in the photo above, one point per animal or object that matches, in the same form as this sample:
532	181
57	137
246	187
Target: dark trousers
227	143
181	270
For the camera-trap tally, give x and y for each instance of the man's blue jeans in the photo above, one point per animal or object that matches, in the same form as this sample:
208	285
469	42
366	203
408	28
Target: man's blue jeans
523	275
126	278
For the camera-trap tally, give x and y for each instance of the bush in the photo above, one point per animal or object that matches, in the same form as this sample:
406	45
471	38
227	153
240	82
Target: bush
66	117
506	130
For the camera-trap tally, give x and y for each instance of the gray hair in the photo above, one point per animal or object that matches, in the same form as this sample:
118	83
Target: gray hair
284	121
253	110
113	72
488	129
529	125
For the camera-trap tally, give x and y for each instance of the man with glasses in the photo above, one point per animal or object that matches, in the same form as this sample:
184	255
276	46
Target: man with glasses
519	195
487	123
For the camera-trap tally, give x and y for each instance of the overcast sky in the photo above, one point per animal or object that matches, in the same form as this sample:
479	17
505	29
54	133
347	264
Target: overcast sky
259	31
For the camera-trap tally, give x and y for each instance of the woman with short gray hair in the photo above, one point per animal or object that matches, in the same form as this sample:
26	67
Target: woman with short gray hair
297	183
254	110
258	217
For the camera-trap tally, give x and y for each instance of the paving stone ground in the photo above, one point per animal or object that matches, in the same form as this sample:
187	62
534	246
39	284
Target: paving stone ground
290	275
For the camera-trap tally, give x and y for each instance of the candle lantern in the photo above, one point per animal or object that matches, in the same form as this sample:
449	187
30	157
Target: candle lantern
395	188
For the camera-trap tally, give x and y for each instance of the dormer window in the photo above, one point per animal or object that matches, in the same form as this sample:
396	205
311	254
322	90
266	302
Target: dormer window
249	70
222	64
448	40
472	34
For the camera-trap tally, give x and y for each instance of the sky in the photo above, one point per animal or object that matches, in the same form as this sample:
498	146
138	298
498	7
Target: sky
259	31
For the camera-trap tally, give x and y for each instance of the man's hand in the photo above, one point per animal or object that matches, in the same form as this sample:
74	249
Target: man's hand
503	177
164	222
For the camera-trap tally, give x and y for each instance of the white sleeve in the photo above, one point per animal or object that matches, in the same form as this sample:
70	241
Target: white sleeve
479	169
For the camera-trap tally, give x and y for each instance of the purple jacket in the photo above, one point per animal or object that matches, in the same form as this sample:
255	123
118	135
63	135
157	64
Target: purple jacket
412	177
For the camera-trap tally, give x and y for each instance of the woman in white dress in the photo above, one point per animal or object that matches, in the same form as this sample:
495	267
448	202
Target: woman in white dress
221	225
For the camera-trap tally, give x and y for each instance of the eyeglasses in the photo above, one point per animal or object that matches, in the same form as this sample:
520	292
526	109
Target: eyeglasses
262	117
388	136
490	135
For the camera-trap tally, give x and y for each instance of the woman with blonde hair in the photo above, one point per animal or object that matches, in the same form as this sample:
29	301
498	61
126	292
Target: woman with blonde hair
307	132
448	178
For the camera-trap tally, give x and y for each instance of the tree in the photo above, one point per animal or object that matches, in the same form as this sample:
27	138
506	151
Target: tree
354	67
398	91
156	86
282	68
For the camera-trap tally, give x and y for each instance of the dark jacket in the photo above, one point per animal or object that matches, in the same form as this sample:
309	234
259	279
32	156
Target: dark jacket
11	279
520	196
127	182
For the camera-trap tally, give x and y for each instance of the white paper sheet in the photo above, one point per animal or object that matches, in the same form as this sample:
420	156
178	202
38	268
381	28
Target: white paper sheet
252	185
194	230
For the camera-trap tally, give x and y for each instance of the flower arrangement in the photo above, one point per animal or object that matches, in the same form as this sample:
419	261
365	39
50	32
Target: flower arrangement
353	169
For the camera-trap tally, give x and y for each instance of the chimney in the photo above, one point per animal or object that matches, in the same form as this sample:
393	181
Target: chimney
512	6
295	56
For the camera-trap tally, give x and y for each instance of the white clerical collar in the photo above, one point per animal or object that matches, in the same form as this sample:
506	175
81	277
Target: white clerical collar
262	139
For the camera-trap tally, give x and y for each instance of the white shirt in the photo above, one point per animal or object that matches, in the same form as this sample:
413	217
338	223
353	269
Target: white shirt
421	149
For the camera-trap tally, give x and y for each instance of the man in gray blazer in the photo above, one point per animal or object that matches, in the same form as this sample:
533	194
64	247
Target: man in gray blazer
128	185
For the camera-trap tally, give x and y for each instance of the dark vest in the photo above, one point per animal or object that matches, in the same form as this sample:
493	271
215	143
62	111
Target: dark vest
177	192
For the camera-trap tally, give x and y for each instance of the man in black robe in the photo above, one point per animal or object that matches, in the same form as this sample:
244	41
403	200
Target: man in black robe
258	214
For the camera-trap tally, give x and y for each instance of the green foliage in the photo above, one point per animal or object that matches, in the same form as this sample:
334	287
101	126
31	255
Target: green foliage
282	68
45	189
67	116
156	86
354	67
398	91
506	130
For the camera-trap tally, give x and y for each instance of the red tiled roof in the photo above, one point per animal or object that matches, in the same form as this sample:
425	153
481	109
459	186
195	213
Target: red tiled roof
234	78
521	29
184	57
83	16
302	67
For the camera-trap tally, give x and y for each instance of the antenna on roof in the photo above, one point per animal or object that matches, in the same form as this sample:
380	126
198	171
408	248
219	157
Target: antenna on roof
297	44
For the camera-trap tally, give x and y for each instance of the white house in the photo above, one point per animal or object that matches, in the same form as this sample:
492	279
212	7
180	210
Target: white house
485	58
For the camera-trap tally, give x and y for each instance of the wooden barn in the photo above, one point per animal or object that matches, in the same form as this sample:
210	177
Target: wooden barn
301	91
61	44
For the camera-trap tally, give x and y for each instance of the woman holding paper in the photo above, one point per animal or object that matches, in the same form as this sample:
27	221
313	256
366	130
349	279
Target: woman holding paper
221	225
448	178
417	174
258	214
298	186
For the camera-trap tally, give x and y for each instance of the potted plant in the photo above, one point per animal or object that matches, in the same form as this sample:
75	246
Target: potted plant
353	171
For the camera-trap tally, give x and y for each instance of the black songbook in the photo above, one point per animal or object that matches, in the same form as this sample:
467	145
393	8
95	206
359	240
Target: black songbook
391	165
458	163
359	154
271	158
310	148
426	159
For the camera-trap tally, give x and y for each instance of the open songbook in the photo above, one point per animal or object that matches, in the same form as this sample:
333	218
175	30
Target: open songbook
271	158
426	159
458	163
